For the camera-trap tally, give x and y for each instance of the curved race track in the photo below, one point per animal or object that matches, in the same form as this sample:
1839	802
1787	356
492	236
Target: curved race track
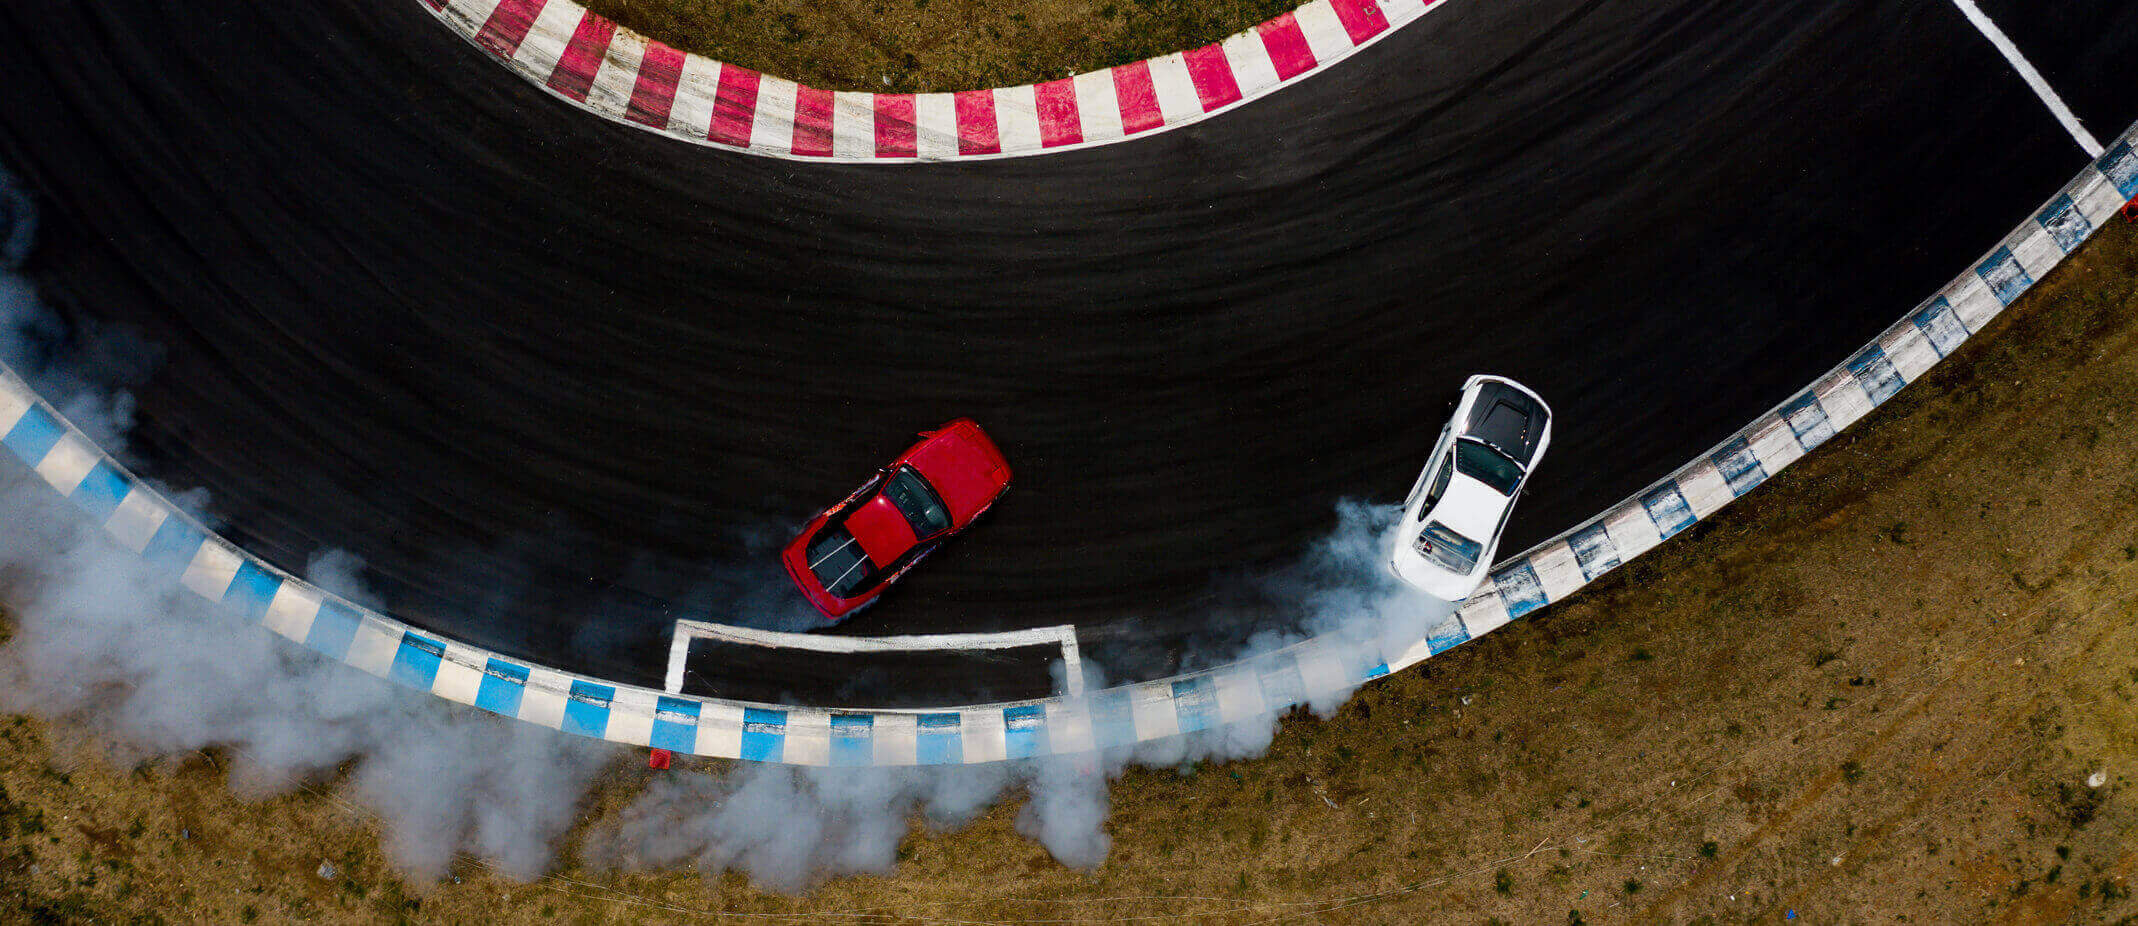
560	382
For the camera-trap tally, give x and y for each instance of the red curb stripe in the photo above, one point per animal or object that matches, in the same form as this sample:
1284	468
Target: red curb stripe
1058	122
1287	46
655	93
575	69
1361	18
1139	100
508	25
1212	75
894	125
735	106
978	132
812	122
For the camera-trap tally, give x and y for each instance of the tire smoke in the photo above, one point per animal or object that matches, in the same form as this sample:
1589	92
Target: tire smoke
104	644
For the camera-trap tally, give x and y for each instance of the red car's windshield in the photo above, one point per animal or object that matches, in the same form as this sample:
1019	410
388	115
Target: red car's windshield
922	508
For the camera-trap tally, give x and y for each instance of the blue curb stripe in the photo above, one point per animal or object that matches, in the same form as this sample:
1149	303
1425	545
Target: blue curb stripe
1282	687
764	734
1941	327
1024	731
251	590
1365	662
2066	225
1666	506
675	725
1594	550
940	742
502	688
1875	373
1194	704
1449	635
415	661
1113	720
333	628
1739	467
34	435
853	740
173	546
101	492
586	708
1519	589
2120	166
1807	420
2005	276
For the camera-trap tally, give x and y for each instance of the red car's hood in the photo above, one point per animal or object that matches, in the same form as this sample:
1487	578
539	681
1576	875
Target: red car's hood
965	468
882	532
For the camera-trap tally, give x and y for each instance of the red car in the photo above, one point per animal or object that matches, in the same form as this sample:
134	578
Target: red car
846	555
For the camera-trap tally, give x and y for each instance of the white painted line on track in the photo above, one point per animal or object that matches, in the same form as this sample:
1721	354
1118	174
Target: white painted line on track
2033	77
1063	635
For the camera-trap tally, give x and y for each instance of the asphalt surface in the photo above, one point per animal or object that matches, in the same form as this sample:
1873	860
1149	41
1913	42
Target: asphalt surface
559	382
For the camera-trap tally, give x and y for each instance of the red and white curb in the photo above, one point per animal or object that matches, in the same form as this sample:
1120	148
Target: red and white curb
614	72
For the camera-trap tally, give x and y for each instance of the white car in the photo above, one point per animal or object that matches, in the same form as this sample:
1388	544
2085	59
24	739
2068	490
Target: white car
1452	522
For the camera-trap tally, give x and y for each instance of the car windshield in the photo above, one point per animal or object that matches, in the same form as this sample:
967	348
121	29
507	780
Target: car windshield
1488	466
924	510
1452	551
839	561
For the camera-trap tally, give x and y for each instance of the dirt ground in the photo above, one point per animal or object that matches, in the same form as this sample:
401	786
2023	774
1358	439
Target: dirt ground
1875	691
935	45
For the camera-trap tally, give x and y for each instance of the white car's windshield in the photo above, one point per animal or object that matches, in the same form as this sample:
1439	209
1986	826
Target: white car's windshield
1448	549
1488	466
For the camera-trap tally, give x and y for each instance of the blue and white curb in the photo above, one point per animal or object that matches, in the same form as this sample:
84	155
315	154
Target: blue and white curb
138	518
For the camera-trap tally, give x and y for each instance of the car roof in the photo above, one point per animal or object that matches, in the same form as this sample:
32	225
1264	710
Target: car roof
1508	420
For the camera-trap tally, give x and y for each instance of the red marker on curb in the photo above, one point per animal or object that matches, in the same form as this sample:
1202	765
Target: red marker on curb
659	760
2130	210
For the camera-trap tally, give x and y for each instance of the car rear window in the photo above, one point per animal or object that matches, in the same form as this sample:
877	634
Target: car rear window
839	562
1450	550
1488	466
923	509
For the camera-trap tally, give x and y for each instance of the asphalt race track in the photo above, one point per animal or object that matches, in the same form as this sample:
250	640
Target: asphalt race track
560	382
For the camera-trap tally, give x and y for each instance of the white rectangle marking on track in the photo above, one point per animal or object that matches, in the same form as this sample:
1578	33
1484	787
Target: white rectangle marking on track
1062	635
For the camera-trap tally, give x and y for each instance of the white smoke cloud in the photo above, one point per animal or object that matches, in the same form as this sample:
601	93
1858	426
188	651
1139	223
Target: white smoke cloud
109	648
104	645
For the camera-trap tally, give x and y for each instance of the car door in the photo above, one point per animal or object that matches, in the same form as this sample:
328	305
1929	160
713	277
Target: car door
1433	472
1439	476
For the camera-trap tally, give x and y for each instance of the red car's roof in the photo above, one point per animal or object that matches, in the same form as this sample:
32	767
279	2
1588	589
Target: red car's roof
883	532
